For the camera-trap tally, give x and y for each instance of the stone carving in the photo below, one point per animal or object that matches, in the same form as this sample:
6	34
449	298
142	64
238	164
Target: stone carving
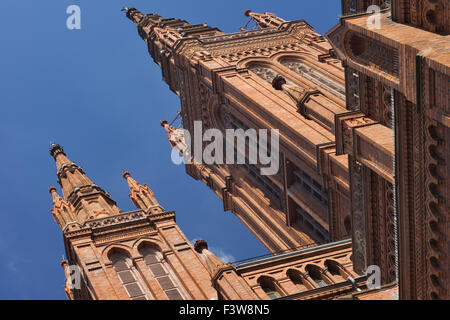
316	77
263	72
358	218
115	220
352	89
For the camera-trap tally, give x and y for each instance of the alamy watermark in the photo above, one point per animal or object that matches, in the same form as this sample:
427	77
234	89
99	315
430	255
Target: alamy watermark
374	277
374	21
73	22
73	278
236	147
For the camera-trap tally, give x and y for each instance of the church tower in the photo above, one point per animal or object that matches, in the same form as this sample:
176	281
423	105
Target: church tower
397	66
283	76
115	255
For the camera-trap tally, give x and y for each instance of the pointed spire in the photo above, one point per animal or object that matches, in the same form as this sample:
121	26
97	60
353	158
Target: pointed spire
70	175
175	136
295	92
177	141
212	262
141	195
133	14
62	211
76	186
265	20
68	286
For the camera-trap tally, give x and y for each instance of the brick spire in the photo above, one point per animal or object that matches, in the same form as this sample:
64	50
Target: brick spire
141	195
133	14
63	211
76	187
265	20
212	262
175	136
67	289
70	175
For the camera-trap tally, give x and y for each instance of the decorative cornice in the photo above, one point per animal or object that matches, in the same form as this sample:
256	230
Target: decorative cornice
116	221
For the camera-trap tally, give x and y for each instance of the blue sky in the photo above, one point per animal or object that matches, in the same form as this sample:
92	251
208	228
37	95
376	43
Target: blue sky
97	92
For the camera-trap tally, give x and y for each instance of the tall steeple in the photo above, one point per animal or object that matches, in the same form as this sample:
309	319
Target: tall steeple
84	199
141	195
265	20
164	36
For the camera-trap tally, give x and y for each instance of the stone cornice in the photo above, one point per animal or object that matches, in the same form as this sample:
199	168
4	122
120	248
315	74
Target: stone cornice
294	255
120	221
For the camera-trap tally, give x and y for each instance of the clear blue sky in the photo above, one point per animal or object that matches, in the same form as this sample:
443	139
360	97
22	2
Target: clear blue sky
97	92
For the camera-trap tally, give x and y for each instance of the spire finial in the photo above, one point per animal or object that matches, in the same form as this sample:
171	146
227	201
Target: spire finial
265	20
56	149
126	174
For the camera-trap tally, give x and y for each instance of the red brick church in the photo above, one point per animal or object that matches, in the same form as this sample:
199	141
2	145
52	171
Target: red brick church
363	120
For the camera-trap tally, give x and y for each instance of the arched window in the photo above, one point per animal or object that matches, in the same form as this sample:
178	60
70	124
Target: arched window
317	77
316	274
336	270
161	271
127	274
269	287
297	279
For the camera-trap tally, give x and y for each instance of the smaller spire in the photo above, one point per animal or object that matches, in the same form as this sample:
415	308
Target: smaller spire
141	195
265	20
133	14
62	210
212	262
299	95
175	136
55	150
68	286
295	92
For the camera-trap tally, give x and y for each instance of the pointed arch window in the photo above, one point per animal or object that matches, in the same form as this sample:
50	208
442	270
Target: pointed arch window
297	279
162	272
317	77
316	275
269	287
127	274
336	270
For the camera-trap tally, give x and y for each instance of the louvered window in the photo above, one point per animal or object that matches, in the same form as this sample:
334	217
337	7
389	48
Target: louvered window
161	273
123	267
